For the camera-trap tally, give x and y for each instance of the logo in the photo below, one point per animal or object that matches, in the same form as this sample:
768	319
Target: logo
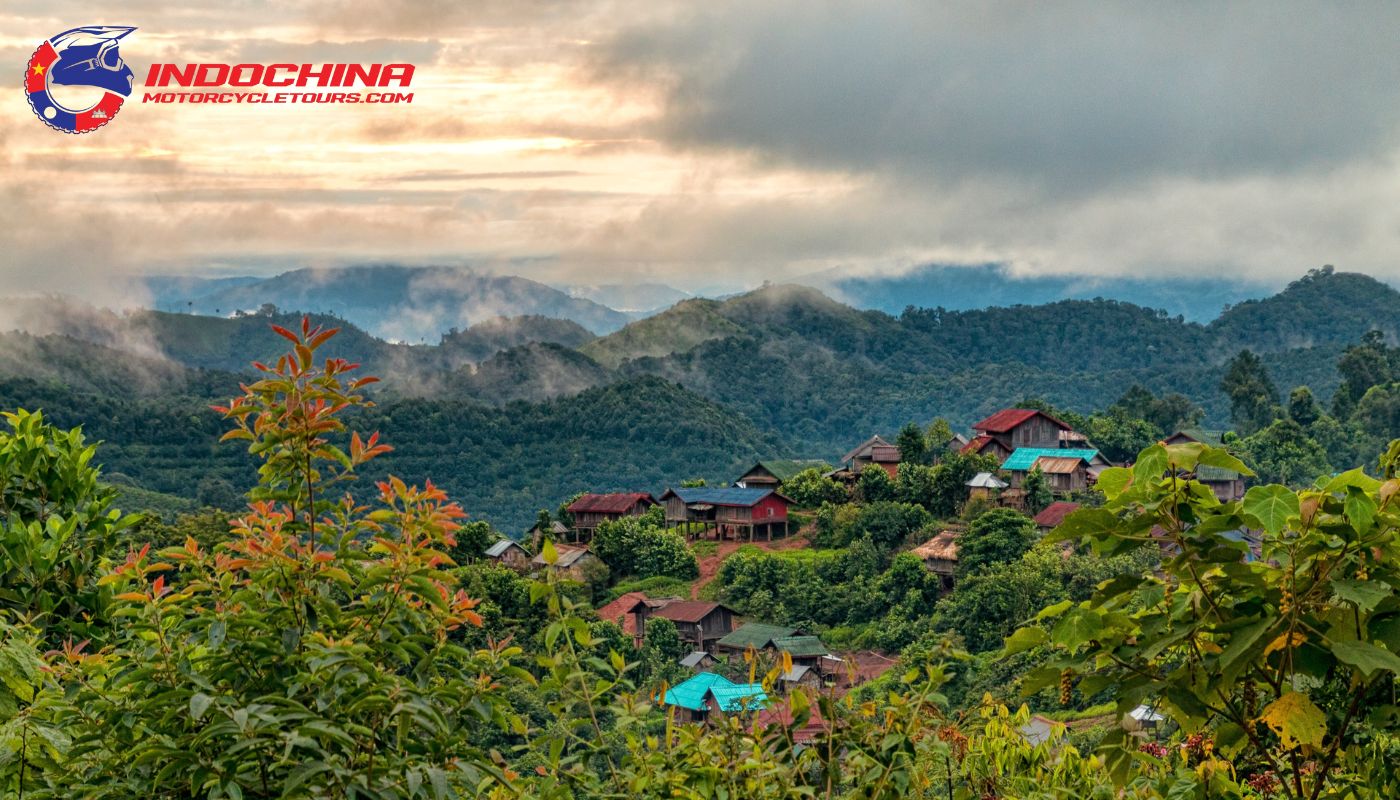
77	80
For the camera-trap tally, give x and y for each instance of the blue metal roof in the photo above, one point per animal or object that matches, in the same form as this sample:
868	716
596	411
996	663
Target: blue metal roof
722	497
1025	457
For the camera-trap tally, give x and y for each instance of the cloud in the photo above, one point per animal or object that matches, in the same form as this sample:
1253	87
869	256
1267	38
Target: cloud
712	146
1050	97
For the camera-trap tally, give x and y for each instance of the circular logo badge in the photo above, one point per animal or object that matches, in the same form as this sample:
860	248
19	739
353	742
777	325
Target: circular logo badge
76	81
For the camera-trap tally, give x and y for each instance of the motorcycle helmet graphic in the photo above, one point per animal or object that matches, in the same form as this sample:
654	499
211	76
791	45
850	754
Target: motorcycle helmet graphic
84	57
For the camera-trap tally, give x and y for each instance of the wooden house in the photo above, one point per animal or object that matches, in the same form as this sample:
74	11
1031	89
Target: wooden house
591	510
1226	483
774	473
619	611
940	556
1003	432
1052	515
874	450
1063	475
508	552
701	624
1066	470
573	562
801	675
706	693
985	485
728	512
698	661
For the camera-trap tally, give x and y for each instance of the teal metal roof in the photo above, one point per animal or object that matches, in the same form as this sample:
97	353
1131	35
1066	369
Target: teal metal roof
1025	457
740	697
692	692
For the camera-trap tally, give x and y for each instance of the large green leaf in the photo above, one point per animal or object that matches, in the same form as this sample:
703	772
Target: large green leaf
1024	639
1272	505
1365	594
1366	657
1219	457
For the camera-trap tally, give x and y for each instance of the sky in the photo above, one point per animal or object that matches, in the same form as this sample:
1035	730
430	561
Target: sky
719	144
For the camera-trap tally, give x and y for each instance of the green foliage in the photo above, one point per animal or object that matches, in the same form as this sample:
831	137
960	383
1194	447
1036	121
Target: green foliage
57	529
1303	407
472	539
875	485
1253	397
949	490
1284	453
1285	661
1037	489
996	537
913	446
638	546
809	489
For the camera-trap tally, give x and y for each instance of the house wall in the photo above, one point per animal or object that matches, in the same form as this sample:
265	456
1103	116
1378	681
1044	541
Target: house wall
770	509
1036	432
675	509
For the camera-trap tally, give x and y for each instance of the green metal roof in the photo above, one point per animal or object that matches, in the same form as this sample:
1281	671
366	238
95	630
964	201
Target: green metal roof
801	645
755	634
784	470
1025	457
692	692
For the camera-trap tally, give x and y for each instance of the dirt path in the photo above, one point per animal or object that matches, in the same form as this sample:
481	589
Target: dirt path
709	565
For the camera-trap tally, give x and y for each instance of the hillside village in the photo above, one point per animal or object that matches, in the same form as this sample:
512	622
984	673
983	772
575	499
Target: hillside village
1023	460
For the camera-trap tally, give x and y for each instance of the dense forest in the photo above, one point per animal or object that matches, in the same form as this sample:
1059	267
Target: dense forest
1160	642
694	391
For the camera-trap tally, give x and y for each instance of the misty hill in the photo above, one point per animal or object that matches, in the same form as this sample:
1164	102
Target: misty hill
962	288
407	304
1322	308
633	298
486	338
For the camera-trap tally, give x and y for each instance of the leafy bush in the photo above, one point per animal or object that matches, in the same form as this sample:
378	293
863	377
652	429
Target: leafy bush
810	488
637	546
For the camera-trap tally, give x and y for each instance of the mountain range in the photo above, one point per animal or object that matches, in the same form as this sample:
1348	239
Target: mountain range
694	390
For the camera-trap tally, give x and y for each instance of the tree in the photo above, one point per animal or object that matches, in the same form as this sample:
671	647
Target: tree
1281	661
1369	363
939	439
950	481
1038	494
1253	397
913	447
1303	407
875	484
996	537
915	483
638	546
810	488
472	540
58	529
1284	453
309	655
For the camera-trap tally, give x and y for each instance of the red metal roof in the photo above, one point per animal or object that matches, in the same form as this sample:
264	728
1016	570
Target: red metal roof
620	611
1055	513
1008	418
617	503
976	445
686	610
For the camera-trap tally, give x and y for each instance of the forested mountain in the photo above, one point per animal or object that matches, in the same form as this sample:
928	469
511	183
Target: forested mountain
407	304
973	287
786	369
